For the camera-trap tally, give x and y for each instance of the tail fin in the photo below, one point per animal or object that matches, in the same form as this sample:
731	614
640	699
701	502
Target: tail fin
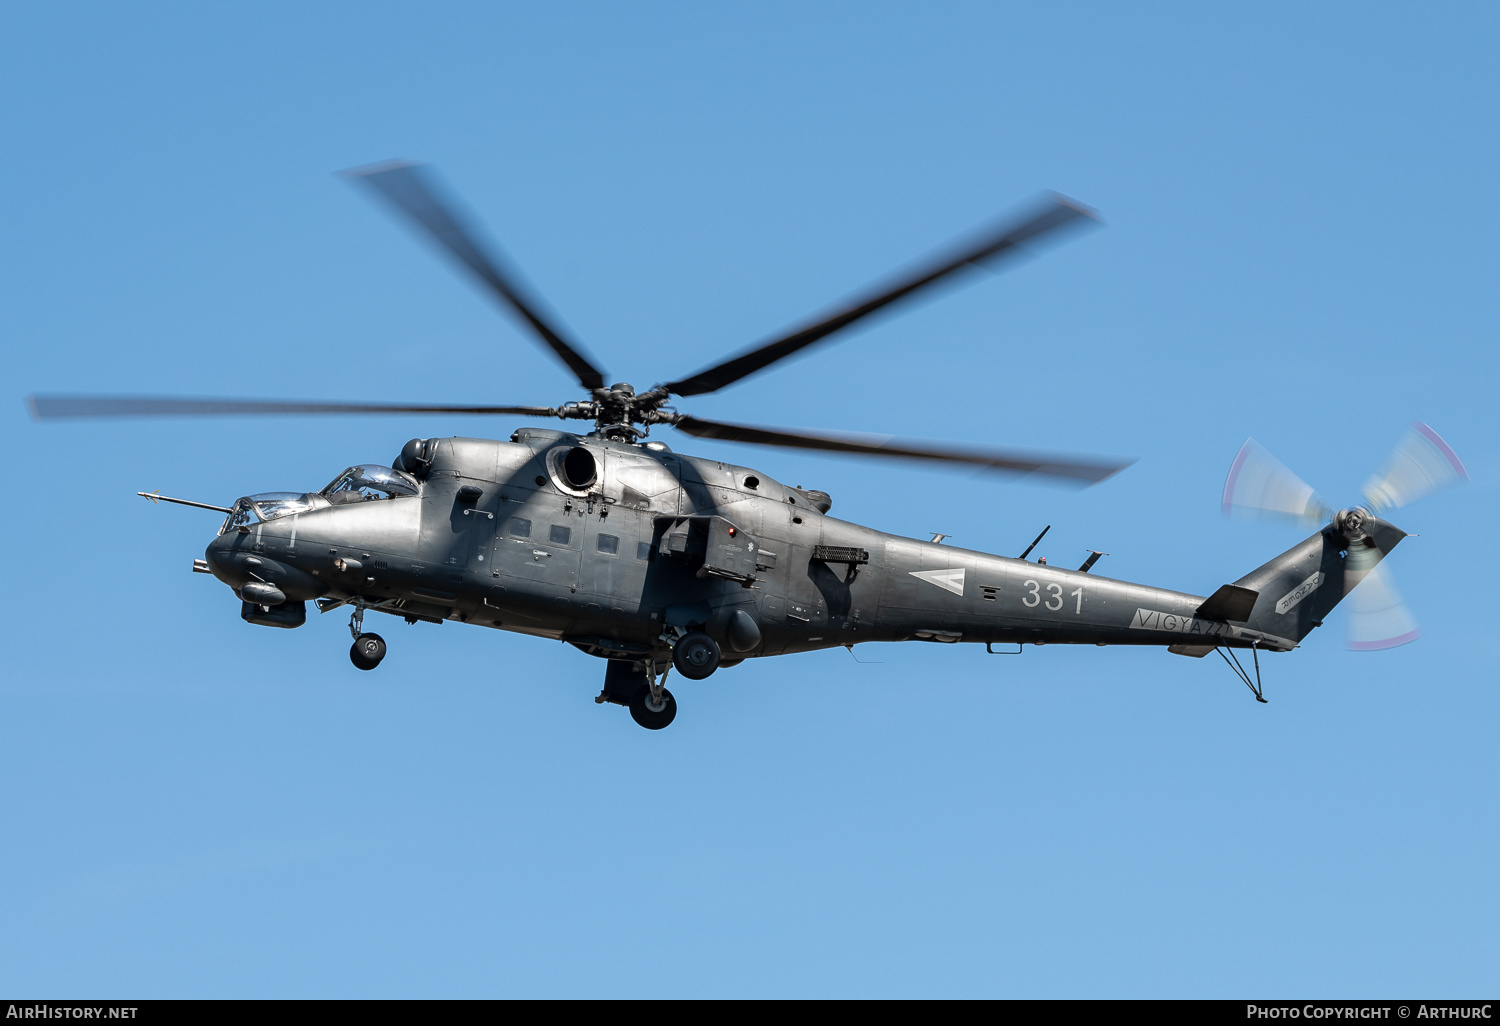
1297	589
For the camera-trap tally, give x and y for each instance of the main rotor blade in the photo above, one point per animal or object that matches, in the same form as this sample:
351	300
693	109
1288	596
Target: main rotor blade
989	247
1420	464
1259	484
1079	471
67	407
411	190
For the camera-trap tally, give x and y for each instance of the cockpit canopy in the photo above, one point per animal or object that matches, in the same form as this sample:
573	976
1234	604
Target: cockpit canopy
363	483
369	481
257	509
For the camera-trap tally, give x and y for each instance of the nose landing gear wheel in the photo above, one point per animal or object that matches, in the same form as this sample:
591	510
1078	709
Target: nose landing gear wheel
367	651
696	656
653	715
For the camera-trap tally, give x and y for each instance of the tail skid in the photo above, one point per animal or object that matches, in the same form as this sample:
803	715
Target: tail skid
1233	662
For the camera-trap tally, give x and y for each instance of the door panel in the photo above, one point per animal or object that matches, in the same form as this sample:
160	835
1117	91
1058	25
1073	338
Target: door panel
613	574
525	548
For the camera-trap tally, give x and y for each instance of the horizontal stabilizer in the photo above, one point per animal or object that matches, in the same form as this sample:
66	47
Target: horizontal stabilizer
1229	603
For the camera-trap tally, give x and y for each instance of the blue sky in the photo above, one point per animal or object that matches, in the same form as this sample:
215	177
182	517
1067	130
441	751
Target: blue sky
1300	213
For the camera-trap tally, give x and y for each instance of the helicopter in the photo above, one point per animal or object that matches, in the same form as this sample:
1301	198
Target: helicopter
655	561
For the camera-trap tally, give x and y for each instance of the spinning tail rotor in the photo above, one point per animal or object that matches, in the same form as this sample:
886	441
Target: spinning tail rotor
1420	464
1261	486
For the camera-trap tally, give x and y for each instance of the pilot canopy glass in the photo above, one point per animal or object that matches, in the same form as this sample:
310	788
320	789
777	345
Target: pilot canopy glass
367	482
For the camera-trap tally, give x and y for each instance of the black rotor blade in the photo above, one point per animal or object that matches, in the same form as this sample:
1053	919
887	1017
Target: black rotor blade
410	189
990	246
1077	470
67	407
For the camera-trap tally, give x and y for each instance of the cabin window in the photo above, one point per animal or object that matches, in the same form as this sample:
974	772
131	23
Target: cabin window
520	527
642	550
608	543
557	534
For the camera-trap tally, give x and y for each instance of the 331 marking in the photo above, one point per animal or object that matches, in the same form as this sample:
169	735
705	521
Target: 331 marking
1055	601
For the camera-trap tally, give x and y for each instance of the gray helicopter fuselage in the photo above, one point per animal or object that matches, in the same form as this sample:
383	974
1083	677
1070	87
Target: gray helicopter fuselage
658	542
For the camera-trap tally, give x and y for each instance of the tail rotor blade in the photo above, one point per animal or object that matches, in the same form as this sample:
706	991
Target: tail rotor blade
1378	619
1420	464
1260	485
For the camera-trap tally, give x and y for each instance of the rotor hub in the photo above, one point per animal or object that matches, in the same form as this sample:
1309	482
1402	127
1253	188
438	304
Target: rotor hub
1351	522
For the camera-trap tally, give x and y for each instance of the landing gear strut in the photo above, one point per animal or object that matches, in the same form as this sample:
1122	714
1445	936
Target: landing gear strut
368	649
652	705
633	683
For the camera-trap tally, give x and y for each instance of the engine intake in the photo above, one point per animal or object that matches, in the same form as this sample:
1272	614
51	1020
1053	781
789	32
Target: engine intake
579	468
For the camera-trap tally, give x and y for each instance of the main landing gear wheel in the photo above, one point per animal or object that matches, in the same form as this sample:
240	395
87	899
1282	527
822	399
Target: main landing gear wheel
367	651
653	715
696	656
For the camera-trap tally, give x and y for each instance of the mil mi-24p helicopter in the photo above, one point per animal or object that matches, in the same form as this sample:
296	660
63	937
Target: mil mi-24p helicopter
654	560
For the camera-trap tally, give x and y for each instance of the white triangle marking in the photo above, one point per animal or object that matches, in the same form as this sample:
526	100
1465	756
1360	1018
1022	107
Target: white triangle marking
948	580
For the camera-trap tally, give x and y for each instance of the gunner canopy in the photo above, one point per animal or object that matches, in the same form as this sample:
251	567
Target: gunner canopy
257	509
